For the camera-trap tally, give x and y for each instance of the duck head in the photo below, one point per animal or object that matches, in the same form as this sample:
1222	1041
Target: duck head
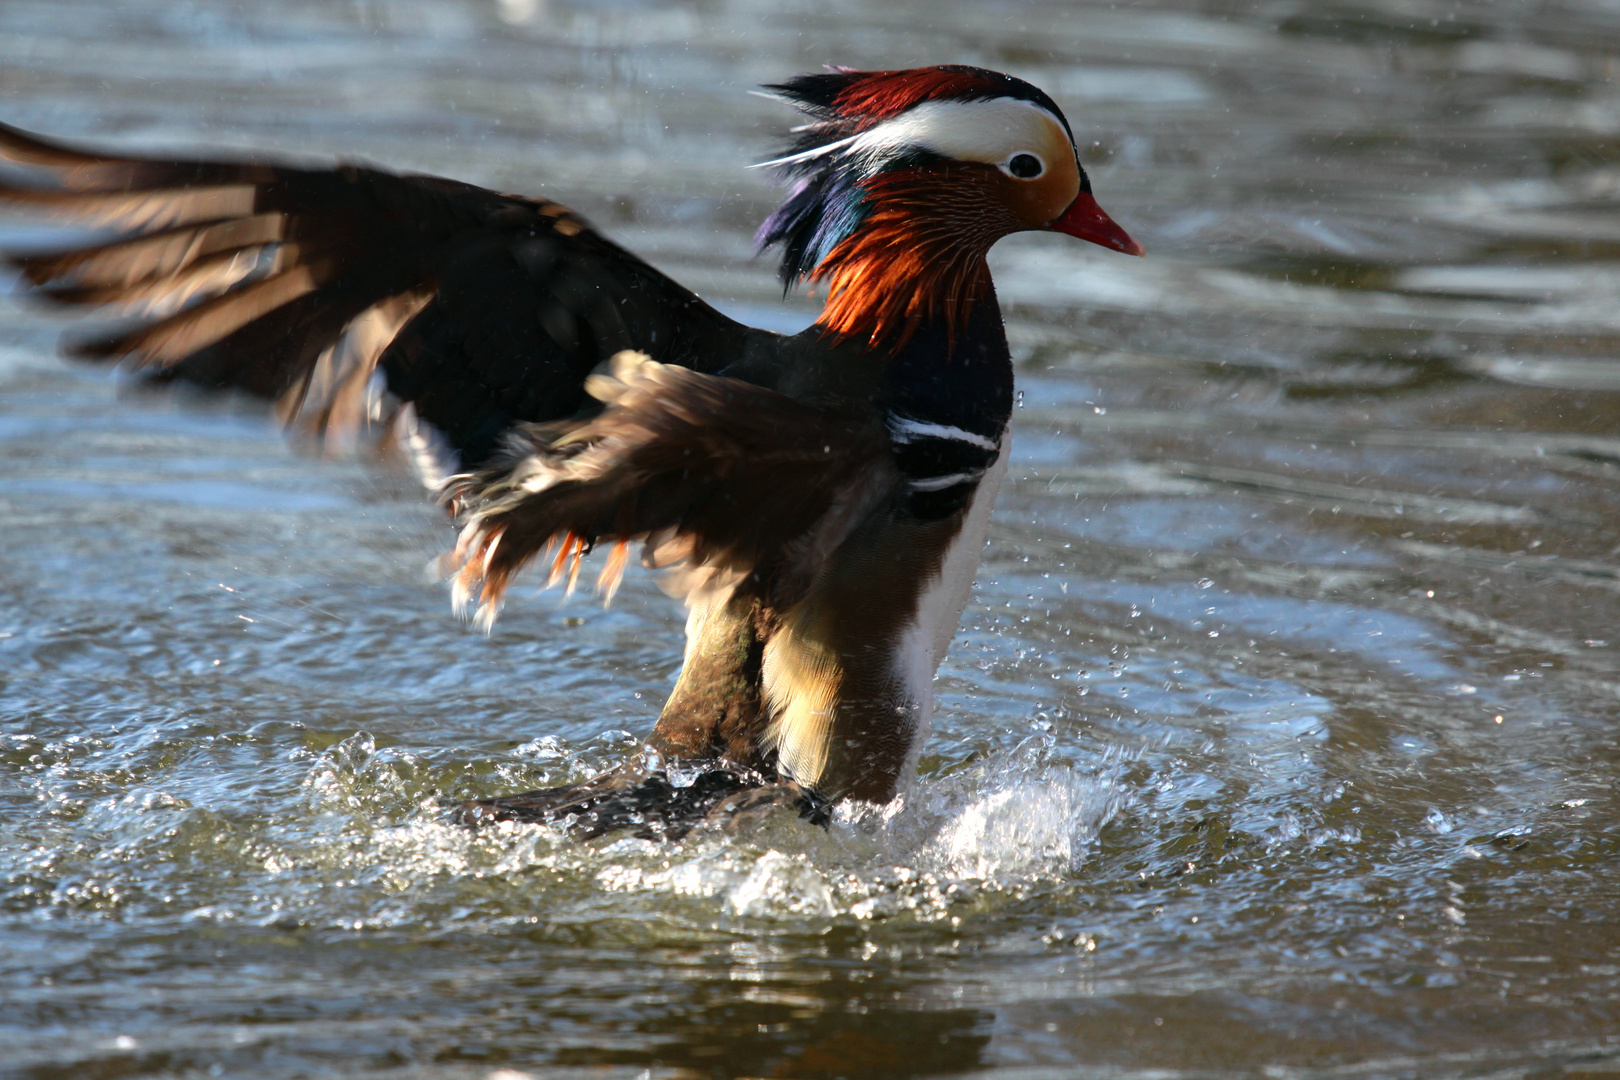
902	180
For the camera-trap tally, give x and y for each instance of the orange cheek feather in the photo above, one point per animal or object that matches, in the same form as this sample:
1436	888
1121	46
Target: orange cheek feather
1037	203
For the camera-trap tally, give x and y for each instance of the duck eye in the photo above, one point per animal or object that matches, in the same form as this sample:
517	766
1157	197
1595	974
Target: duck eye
1025	166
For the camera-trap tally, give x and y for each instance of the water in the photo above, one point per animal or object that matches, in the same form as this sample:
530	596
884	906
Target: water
1281	736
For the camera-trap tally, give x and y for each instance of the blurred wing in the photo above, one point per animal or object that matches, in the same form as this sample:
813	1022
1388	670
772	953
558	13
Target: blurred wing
482	310
710	471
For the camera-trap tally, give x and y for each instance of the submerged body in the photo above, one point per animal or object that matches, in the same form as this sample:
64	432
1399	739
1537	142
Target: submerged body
819	501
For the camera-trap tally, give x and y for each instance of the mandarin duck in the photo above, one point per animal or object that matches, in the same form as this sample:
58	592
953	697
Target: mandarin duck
819	501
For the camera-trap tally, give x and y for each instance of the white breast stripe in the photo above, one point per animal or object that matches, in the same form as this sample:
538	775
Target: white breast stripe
940	483
905	431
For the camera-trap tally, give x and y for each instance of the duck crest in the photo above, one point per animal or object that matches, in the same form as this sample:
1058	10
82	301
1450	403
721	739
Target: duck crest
896	231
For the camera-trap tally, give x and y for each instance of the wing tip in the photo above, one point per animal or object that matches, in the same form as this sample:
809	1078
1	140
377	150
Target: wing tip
96	348
19	145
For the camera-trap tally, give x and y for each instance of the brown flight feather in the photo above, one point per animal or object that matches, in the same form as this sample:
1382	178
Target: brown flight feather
719	471
295	283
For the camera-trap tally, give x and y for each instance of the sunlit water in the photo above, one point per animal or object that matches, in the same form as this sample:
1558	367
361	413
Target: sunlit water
1281	735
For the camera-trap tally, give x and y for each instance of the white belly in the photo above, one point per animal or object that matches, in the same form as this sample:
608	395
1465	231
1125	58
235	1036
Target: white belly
939	608
803	674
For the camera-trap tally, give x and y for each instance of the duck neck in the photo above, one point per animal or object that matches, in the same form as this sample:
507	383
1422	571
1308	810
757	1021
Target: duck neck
954	371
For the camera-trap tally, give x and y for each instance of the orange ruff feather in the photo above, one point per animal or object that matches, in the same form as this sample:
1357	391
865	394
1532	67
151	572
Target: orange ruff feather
918	256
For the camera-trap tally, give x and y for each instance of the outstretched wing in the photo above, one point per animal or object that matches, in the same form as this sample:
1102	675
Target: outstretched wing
481	310
711	471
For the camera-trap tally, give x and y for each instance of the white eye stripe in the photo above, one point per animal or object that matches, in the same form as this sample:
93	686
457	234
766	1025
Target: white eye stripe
988	131
807	155
991	131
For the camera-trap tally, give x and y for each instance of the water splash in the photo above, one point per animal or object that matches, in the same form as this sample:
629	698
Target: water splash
1013	822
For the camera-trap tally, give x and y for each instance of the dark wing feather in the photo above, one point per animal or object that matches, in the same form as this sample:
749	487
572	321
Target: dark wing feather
711	471
295	284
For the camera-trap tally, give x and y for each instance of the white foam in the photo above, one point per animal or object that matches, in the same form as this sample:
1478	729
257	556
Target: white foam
780	885
1037	825
1013	820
